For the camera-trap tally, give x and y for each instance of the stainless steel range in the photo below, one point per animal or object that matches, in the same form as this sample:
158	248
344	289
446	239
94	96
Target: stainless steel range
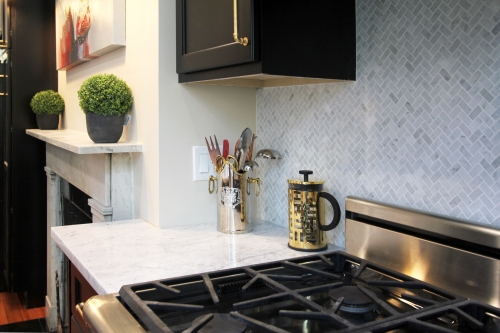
454	254
325	292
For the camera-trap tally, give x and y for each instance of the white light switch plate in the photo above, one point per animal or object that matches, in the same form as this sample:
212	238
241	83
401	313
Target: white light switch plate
203	167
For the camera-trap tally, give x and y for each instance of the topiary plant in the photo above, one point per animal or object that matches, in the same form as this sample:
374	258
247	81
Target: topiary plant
47	102
106	95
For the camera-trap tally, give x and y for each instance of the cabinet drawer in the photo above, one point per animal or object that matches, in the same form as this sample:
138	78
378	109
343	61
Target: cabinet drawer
205	34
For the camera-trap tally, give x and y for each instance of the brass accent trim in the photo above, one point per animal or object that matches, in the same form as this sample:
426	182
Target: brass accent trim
302	182
243	41
221	162
213	181
253	180
242	205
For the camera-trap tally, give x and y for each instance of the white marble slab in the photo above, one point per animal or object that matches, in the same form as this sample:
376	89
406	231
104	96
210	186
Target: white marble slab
113	254
80	143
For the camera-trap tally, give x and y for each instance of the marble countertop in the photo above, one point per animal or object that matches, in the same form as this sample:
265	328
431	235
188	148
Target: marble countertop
80	143
113	254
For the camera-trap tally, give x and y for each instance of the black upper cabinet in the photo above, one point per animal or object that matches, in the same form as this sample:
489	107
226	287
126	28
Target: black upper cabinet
206	45
289	42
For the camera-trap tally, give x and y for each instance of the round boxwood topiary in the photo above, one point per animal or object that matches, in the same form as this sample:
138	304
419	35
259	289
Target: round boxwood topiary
106	95
47	102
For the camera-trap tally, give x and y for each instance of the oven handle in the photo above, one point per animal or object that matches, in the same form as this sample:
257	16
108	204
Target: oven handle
105	314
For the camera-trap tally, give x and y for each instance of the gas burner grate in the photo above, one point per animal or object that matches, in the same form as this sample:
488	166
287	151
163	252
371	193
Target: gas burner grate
465	316
216	322
295	290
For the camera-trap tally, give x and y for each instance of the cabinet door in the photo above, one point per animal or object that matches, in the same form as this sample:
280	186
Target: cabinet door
205	34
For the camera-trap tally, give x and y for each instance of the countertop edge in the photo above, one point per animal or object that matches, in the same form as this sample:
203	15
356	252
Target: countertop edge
91	279
78	264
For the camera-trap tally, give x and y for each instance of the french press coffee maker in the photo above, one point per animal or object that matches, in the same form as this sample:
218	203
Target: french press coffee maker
307	230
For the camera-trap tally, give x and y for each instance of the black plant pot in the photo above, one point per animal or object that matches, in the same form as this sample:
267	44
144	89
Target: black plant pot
47	121
104	129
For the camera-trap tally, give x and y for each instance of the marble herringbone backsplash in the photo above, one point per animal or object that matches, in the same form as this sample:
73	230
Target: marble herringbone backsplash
420	127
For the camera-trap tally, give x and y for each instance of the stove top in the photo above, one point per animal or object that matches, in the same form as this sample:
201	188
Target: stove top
329	292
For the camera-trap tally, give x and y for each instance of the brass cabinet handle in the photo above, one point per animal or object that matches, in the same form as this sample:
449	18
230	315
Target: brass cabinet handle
243	41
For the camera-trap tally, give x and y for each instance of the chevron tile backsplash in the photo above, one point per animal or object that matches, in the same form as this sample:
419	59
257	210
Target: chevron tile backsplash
419	128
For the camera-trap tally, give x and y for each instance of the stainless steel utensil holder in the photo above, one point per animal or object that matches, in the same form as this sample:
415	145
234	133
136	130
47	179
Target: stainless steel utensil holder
235	198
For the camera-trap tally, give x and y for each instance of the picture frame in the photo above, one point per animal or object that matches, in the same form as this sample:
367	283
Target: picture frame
87	29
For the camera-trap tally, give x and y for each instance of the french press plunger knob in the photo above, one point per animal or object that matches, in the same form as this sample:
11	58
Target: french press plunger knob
306	174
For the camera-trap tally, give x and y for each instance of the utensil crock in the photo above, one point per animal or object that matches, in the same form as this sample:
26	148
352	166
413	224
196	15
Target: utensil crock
236	193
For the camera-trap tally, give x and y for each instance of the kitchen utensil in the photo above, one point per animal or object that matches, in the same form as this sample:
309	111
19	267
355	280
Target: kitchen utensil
268	153
250	150
306	213
250	165
213	150
225	148
217	147
244	146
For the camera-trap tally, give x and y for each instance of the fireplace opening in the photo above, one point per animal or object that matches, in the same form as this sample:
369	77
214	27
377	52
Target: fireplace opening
76	209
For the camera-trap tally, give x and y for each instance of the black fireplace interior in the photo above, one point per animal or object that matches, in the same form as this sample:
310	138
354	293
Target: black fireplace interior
76	209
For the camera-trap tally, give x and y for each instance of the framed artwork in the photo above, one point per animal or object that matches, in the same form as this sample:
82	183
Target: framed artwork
87	29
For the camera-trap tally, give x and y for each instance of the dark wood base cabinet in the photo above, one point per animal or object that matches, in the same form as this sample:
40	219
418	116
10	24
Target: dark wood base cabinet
79	291
288	42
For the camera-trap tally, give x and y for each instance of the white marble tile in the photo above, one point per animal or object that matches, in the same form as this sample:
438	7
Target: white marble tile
80	143
113	254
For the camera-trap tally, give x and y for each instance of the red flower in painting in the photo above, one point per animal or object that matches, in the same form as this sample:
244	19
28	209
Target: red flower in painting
82	22
66	41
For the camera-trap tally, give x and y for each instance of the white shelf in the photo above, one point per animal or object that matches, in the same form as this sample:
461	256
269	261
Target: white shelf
80	143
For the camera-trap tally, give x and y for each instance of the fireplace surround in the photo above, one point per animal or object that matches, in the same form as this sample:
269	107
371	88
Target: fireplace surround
104	172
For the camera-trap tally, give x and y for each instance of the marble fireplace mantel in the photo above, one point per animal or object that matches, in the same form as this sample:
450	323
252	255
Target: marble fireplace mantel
80	143
103	171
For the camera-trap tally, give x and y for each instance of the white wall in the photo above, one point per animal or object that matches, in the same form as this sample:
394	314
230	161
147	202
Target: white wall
188	113
168	118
